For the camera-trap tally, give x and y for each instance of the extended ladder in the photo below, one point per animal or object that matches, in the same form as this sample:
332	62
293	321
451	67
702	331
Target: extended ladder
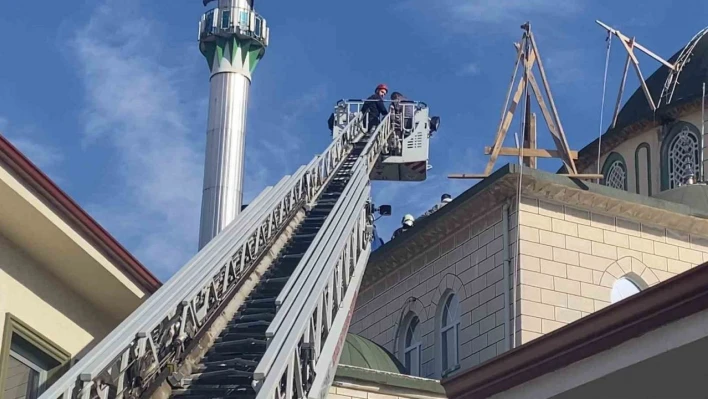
279	284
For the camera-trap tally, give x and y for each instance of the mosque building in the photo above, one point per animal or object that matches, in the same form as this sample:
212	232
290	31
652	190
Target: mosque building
609	298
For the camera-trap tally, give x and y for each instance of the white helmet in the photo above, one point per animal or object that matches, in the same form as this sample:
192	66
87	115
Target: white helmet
408	220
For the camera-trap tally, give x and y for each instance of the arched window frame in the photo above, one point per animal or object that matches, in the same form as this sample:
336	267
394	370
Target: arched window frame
614	160
675	132
448	333
636	167
410	351
633	279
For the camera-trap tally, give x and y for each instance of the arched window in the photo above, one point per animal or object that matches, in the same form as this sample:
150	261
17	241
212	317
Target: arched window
449	333
623	288
411	344
642	169
680	154
615	172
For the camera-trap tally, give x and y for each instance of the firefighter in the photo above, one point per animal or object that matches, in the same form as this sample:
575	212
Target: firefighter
406	223
374	108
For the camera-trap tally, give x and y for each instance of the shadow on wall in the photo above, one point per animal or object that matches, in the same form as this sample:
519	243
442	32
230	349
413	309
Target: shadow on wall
20	267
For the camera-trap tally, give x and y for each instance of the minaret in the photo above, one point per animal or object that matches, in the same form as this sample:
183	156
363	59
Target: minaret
232	38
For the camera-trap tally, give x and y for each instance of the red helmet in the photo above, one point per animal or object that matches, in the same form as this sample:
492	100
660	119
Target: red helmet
382	86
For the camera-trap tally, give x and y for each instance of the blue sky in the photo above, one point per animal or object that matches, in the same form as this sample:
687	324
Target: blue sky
109	96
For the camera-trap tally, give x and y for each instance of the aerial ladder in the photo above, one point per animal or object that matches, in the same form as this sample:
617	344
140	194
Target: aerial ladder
262	311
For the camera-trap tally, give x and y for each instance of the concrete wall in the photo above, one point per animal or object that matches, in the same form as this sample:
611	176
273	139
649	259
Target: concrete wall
470	263
41	301
628	150
570	259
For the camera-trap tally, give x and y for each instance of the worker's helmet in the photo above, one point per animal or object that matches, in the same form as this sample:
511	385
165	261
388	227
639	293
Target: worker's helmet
445	198
407	220
381	86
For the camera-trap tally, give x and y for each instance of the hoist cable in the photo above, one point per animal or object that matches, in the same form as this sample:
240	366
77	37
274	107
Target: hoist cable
602	107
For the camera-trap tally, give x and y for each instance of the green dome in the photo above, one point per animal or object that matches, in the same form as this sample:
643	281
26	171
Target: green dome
363	353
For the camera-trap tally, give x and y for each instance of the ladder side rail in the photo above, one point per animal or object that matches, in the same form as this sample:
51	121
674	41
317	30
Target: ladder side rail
372	150
349	135
337	151
286	313
303	271
133	332
377	142
308	181
317	300
328	361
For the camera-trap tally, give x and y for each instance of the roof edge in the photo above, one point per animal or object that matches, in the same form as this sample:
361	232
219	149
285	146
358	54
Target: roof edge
408	235
401	381
44	186
668	301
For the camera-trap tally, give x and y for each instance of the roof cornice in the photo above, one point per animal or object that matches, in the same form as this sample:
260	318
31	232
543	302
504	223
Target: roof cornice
43	186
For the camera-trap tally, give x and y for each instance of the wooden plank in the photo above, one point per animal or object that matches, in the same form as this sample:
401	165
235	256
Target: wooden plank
499	139
643	49
527	130
530	152
621	92
467	176
501	133
563	153
635	64
584	176
561	132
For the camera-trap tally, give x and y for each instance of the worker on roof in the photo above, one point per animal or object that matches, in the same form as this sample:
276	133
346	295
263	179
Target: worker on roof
444	200
374	108
406	223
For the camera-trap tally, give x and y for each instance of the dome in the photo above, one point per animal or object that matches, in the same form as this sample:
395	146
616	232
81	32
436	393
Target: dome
636	116
363	353
694	196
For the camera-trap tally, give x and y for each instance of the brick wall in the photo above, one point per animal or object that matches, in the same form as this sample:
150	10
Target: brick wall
470	263
570	259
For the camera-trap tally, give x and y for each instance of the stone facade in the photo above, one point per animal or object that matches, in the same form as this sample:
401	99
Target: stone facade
570	259
470	264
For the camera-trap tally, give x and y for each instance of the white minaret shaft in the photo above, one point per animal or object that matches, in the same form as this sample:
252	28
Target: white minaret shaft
233	39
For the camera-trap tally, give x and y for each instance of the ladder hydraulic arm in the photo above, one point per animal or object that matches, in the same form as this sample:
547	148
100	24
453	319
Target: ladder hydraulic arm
311	312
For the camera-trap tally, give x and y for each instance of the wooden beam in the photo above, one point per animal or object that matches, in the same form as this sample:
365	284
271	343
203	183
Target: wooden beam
504	127
562	137
530	152
527	130
563	151
507	112
642	83
621	91
639	47
584	176
533	163
467	176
